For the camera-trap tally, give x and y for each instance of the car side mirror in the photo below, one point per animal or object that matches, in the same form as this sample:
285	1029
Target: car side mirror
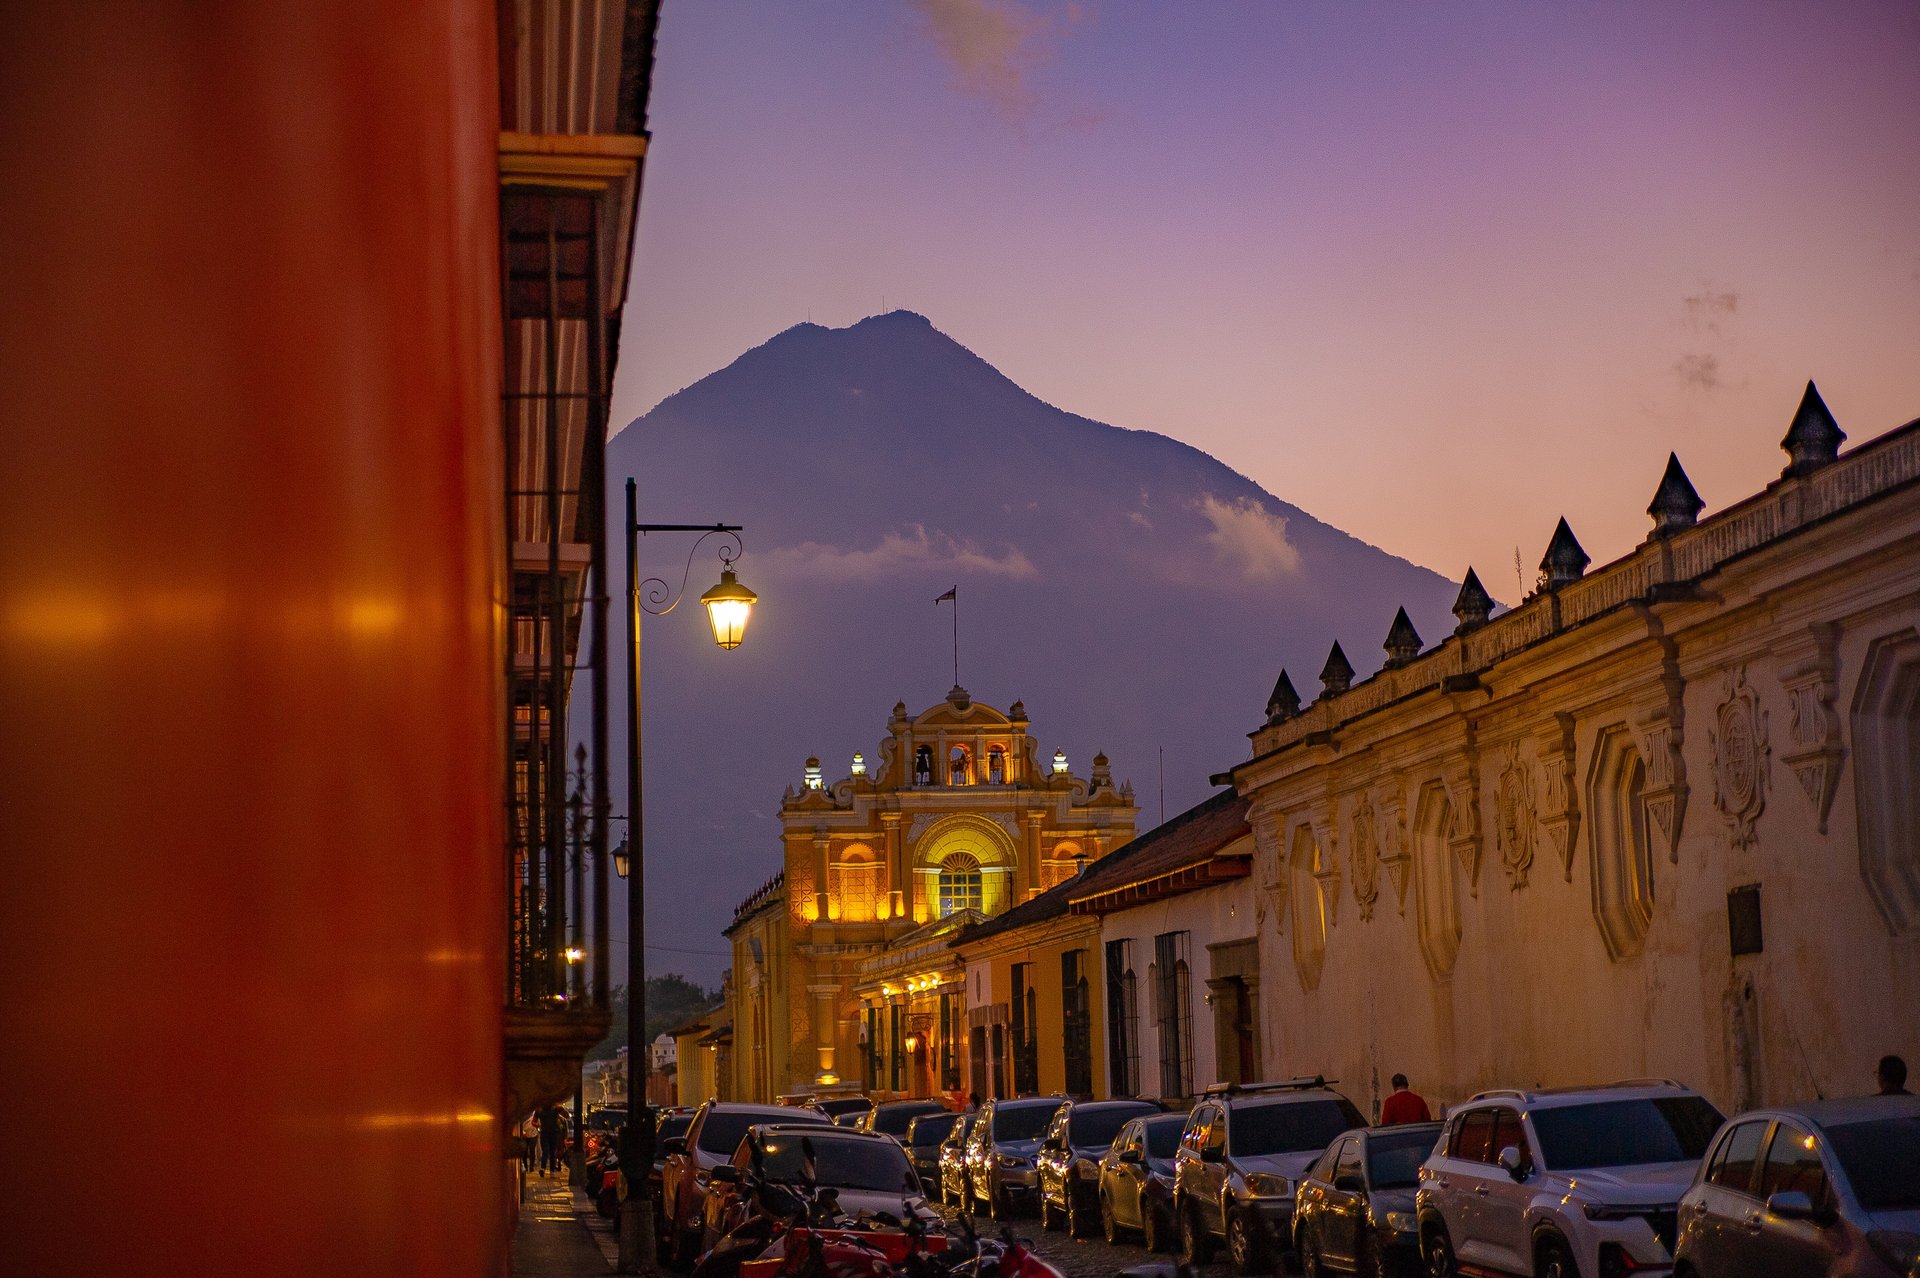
1350	1184
1054	1145
1790	1204
1510	1161
673	1145
726	1174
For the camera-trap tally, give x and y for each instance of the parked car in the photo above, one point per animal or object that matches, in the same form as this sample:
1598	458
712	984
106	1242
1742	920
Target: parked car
712	1137
867	1172
954	1190
1354	1211
1136	1181
835	1108
1000	1153
894	1117
1581	1181
671	1124
926	1137
1068	1164
1244	1147
1827	1188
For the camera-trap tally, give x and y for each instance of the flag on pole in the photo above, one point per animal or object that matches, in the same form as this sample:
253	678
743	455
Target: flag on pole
953	594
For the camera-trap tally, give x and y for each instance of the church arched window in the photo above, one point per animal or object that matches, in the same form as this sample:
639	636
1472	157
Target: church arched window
958	885
923	765
996	765
959	766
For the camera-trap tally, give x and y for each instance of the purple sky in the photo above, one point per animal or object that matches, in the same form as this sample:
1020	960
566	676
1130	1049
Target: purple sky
1437	273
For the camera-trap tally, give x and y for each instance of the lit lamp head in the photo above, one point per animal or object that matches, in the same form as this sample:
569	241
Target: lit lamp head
1059	760
729	604
913	1042
622	859
859	765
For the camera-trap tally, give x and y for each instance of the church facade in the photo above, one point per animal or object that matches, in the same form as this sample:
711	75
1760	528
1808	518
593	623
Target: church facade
842	973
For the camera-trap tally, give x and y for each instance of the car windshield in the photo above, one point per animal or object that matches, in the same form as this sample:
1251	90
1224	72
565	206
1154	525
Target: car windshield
1022	1122
1163	1137
843	1162
674	1125
1625	1133
1290	1127
1881	1157
722	1131
893	1120
1394	1158
1097	1127
931	1129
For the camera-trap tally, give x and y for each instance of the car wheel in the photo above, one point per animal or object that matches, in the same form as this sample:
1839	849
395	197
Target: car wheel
1437	1250
1552	1259
1154	1234
1244	1245
1196	1244
1076	1212
687	1251
1109	1227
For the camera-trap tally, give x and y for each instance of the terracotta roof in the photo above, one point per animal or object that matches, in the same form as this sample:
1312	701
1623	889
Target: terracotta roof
1188	841
1179	856
692	1023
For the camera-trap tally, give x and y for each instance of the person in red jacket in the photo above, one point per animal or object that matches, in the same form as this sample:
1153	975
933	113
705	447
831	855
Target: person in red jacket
1404	1106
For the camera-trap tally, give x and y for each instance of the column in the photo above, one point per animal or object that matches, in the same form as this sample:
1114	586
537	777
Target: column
1029	876
825	1025
820	874
898	886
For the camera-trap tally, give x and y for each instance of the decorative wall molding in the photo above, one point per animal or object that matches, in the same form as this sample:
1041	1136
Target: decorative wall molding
1389	802
1740	749
1560	798
1326	866
1886	758
1514	808
1662	732
1809	670
1462	779
1365	856
1270	856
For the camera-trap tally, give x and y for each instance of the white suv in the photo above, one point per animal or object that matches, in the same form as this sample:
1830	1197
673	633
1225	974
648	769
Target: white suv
1579	1183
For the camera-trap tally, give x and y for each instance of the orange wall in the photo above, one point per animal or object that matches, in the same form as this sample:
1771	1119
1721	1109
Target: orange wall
250	917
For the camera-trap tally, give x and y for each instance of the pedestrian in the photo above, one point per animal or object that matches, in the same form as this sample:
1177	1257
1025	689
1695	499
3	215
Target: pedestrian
1405	1105
549	1138
1892	1073
973	1102
529	1140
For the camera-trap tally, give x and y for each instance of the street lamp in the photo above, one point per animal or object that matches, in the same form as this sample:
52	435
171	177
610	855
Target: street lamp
729	604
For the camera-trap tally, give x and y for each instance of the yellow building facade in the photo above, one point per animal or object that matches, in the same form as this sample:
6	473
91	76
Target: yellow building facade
842	971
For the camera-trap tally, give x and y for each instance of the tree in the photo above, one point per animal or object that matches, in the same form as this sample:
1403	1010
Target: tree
671	999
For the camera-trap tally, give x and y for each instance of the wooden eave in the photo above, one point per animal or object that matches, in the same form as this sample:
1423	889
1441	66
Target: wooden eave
1191	878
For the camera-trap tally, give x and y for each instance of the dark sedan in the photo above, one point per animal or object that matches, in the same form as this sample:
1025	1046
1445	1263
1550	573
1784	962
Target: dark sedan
1068	1164
924	1139
1354	1208
1136	1181
1808	1191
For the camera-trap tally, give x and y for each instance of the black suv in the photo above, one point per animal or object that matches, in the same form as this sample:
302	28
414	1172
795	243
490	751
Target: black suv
1245	1148
1069	1160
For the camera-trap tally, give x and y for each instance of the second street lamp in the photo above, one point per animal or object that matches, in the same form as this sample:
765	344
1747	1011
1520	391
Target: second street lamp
729	605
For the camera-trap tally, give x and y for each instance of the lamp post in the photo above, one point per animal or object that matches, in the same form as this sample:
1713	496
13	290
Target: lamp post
728	605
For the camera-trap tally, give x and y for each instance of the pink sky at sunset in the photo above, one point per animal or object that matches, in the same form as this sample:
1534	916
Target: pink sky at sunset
1438	274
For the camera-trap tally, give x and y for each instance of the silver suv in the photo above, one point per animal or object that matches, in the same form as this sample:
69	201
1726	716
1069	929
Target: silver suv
1563	1184
1240	1160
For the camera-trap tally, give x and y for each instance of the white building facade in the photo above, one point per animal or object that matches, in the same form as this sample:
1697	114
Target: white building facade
1662	819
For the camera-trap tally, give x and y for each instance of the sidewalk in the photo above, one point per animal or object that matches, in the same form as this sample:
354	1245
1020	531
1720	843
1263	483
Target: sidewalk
560	1235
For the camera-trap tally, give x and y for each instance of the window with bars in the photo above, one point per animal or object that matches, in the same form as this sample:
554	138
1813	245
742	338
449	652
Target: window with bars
1026	1039
873	1048
1077	1019
896	1046
1173	1009
958	886
949	1028
1123	1020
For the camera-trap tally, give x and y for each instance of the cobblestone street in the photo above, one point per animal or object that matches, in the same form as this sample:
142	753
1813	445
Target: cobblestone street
1084	1257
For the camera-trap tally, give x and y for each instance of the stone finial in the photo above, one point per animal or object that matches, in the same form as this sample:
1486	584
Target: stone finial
1017	712
1564	561
1403	641
1102	774
1284	703
1814	439
1675	504
959	698
1472	606
1337	675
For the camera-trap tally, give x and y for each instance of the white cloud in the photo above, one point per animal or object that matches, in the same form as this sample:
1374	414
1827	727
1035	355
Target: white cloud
897	553
1247	537
990	44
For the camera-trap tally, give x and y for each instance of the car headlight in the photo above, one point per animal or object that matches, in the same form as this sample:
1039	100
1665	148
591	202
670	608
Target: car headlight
1897	1248
1012	1161
1400	1222
1266	1185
